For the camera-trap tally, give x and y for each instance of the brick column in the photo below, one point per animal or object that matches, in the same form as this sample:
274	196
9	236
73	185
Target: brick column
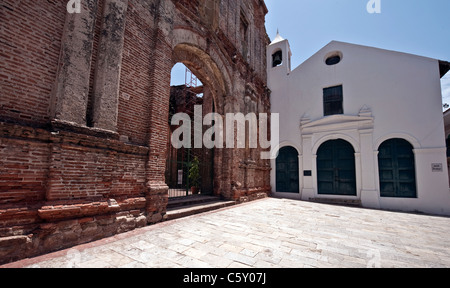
157	191
230	168
72	84
107	73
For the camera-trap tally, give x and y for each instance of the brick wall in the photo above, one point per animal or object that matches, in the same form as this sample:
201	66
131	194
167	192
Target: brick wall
30	39
96	37
79	172
67	177
134	99
23	171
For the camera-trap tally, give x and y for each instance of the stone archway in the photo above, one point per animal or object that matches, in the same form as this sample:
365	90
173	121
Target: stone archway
202	65
200	56
206	69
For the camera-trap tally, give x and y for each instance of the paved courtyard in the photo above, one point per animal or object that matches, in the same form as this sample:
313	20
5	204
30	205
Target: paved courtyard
271	233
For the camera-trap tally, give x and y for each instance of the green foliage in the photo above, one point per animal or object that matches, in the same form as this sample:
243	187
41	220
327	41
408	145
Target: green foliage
194	173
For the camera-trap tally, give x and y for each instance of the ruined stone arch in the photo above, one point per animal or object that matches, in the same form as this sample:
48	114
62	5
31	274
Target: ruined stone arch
192	50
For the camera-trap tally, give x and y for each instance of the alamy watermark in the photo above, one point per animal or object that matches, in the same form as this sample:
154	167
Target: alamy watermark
234	130
74	6
374	6
374	257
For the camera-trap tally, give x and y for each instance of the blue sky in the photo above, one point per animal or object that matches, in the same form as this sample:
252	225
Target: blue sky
418	27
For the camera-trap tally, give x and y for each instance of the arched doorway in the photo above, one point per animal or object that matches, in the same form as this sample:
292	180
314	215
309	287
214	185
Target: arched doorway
336	173
196	99
287	171
397	170
192	166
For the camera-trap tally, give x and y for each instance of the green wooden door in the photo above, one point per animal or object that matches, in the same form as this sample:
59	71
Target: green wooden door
336	168
287	177
397	169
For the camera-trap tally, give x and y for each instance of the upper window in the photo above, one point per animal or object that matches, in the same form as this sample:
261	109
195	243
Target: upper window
244	35
333	101
333	58
277	58
448	146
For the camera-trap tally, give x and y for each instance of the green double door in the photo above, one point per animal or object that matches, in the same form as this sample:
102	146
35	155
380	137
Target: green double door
397	169
287	171
336	173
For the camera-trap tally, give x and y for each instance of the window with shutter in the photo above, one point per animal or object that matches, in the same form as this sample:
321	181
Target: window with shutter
333	101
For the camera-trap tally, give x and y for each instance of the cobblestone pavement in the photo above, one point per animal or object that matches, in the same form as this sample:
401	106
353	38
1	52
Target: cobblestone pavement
271	233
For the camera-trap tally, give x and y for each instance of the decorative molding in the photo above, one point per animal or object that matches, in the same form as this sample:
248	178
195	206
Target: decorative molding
365	112
336	123
411	139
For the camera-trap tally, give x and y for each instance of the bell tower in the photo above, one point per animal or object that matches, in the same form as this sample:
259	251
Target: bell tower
279	56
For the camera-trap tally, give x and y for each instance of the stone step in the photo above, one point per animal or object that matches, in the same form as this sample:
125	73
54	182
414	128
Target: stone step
191	200
334	201
184	211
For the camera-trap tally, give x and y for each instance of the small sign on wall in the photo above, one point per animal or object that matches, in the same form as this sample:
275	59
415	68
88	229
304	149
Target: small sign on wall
180	177
437	167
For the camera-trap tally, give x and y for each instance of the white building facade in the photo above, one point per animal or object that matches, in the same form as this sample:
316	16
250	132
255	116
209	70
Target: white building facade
360	125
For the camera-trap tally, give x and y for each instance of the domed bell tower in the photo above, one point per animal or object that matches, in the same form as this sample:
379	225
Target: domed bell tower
278	59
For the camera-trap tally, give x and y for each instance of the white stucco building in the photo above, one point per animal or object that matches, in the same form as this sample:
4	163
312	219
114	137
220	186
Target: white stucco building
360	124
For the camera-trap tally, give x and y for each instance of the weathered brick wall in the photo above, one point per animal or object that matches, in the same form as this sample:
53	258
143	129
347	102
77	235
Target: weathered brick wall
23	165
95	170
240	174
134	100
30	39
83	156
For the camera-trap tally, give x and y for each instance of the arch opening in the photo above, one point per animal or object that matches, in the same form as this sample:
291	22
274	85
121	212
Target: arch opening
197	89
336	168
287	170
396	164
277	58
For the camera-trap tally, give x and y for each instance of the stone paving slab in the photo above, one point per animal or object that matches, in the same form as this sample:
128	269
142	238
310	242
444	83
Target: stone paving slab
270	233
